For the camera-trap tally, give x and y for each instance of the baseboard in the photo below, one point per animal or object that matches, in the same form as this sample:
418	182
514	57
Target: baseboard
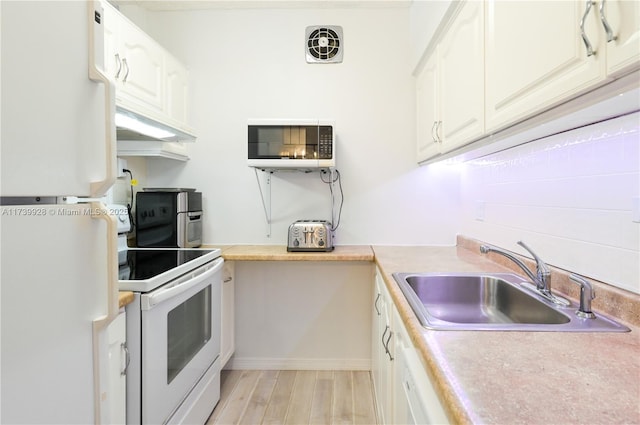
261	363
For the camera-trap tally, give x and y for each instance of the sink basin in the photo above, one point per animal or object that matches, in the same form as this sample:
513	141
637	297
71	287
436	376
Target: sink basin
495	301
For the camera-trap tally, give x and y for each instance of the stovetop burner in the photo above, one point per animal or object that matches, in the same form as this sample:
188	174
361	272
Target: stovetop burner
147	269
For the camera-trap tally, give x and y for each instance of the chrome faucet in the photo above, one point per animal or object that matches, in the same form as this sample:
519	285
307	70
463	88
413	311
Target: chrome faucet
542	278
586	295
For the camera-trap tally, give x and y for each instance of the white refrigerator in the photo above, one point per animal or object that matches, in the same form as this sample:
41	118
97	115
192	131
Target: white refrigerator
58	259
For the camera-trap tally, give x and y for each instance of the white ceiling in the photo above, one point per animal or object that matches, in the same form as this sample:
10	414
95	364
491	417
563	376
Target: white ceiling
168	5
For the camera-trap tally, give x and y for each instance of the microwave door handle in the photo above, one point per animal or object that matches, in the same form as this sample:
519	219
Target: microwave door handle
163	294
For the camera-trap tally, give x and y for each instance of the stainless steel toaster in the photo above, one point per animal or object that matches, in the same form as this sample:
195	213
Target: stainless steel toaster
310	235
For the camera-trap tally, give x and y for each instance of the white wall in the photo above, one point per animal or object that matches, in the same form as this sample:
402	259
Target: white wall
250	63
568	196
301	315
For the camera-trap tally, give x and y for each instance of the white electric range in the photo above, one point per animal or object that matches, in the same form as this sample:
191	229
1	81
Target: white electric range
173	332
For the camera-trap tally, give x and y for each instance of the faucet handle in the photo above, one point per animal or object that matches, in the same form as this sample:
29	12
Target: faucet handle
586	295
541	266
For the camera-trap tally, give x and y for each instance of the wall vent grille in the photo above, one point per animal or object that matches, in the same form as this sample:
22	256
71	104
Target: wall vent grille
324	44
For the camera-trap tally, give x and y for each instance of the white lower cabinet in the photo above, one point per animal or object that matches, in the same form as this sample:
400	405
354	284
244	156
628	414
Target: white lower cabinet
118	362
227	340
415	400
382	356
404	393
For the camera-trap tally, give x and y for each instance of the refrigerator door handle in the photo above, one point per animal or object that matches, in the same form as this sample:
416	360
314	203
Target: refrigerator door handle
100	211
100	324
97	74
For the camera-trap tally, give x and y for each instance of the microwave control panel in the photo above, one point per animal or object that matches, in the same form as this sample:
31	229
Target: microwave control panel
325	142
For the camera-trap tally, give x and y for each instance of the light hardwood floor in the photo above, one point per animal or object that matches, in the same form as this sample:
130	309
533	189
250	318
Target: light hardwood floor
253	397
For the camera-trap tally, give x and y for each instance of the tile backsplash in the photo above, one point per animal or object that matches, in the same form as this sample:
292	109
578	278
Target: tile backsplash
570	196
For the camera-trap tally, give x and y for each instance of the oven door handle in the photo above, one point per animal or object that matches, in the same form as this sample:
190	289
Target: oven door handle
148	301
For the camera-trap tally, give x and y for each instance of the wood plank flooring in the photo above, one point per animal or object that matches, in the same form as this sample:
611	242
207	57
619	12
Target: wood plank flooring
252	397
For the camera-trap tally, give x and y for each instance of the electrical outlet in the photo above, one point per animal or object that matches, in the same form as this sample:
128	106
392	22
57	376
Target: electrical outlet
122	164
635	210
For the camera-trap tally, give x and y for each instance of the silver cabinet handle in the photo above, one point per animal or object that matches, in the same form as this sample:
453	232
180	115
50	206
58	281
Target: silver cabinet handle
375	304
119	62
438	134
434	135
587	43
124	62
383	334
605	23
125	349
386	346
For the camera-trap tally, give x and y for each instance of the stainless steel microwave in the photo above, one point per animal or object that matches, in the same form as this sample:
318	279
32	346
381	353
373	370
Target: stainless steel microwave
291	144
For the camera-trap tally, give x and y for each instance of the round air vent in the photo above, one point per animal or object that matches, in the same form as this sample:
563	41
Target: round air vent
324	44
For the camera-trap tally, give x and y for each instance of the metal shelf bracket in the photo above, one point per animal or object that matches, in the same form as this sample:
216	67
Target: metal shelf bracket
266	202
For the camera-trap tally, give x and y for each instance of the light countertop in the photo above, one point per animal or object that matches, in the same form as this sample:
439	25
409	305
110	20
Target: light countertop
519	377
279	253
507	377
124	298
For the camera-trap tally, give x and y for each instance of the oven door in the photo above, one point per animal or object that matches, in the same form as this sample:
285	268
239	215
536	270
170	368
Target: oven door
180	339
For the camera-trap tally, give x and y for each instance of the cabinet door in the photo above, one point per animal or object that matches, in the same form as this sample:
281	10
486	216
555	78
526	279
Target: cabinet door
536	57
427	111
461	75
401	405
377	351
415	399
112	24
117	394
227	340
381	367
142	79
177	84
623	47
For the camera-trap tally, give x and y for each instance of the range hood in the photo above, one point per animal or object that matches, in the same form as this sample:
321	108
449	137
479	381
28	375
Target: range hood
134	126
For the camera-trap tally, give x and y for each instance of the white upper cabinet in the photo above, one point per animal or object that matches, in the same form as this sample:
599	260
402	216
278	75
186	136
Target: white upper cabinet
427	110
149	80
450	86
177	86
498	66
542	53
134	61
461	77
536	56
621	25
141	76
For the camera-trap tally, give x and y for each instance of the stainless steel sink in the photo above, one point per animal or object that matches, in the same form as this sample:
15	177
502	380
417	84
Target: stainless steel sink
495	301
